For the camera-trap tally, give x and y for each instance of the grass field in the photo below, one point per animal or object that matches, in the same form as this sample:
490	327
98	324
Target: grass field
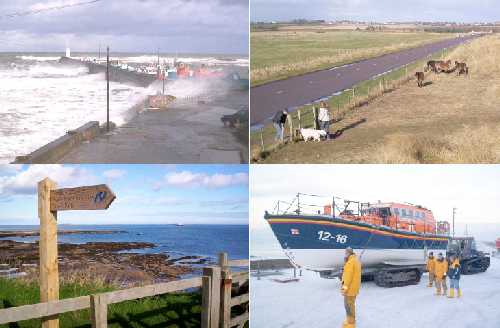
451	120
280	54
169	310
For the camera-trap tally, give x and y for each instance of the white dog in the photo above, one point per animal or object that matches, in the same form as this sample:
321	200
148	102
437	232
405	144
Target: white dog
312	134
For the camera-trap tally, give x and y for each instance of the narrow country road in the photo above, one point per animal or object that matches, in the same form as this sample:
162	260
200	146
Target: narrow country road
300	90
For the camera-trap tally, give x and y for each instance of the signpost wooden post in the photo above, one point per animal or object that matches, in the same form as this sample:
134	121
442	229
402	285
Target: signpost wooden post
51	200
49	271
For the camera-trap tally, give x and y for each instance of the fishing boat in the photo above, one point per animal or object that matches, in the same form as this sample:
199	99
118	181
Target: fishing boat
315	236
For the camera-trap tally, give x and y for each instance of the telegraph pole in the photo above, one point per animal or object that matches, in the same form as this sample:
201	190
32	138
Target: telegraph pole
454	211
107	86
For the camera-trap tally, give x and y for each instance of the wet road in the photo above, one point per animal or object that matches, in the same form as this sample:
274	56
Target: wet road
187	132
304	89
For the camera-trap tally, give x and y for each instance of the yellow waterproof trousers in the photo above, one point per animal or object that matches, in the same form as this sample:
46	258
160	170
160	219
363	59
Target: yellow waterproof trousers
350	311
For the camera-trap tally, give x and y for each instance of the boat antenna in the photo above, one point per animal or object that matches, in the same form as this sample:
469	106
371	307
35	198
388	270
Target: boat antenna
333	206
298	203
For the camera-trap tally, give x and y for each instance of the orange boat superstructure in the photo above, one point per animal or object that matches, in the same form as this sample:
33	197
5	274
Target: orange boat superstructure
397	216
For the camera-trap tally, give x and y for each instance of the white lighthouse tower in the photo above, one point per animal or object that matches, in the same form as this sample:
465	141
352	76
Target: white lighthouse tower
68	52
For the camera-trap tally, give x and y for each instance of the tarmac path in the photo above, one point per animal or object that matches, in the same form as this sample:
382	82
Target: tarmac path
300	90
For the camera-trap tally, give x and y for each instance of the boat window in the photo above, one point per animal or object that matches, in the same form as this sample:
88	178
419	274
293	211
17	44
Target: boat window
410	213
384	212
403	212
396	211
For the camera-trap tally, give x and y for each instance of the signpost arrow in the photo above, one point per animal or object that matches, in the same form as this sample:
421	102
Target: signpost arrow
97	197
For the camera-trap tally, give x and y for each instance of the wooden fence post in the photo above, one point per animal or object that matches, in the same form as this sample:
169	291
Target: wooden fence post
225	294
99	311
206	290
300	124
223	260
290	125
315	117
262	139
215	285
49	271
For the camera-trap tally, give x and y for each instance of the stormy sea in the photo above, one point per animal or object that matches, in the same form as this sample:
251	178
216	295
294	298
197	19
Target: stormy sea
41	99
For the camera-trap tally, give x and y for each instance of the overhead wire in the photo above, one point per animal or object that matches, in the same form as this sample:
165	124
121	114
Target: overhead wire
38	11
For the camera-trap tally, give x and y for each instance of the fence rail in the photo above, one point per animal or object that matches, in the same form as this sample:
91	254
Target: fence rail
217	301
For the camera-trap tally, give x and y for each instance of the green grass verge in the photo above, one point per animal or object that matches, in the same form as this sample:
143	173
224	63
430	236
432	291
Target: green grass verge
169	310
278	54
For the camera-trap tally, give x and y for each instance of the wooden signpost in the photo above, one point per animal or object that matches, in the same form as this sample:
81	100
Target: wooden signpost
51	200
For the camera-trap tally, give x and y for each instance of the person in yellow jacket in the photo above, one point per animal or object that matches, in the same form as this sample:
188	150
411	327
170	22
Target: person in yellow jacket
431	266
441	268
351	282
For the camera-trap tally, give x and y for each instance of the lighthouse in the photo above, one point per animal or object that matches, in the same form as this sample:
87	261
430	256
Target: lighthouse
68	52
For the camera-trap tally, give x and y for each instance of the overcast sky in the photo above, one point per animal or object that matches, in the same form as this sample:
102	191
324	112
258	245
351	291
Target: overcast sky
472	189
145	194
376	10
184	26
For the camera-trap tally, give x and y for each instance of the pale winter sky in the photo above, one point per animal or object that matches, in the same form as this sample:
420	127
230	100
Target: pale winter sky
184	26
472	189
145	194
376	10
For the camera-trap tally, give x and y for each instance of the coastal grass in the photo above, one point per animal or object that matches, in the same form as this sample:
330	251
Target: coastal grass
453	119
169	310
284	53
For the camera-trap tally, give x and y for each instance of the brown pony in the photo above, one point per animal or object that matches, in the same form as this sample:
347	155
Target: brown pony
420	78
443	66
461	68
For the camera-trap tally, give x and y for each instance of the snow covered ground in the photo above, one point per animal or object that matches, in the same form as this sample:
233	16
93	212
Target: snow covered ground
316	302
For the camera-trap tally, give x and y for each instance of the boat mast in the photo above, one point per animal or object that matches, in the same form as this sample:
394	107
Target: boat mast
333	207
298	203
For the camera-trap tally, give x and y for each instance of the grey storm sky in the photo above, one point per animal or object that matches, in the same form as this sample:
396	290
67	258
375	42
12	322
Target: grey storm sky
184	26
377	10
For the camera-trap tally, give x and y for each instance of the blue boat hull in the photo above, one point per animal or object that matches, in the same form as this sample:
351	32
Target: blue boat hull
319	242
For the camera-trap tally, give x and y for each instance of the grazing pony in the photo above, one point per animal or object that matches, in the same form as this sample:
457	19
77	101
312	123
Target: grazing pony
461	68
420	78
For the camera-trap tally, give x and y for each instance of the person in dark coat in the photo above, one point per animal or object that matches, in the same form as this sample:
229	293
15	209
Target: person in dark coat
454	275
279	120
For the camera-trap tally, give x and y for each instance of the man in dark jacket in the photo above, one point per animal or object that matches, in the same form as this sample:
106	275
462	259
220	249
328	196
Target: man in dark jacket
454	275
279	120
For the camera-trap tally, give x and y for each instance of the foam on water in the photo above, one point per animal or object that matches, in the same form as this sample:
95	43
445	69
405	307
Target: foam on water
170	59
40	101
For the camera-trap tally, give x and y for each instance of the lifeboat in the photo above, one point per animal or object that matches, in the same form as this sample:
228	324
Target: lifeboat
380	233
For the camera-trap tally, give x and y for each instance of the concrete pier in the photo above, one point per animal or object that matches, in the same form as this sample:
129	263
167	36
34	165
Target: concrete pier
116	74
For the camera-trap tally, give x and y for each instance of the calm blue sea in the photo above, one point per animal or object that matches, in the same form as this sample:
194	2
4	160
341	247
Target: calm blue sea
192	239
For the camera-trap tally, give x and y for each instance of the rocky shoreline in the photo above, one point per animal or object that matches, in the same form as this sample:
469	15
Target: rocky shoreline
36	233
105	262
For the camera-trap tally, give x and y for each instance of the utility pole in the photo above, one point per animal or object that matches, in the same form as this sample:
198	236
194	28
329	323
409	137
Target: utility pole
158	65
163	74
99	51
454	211
107	86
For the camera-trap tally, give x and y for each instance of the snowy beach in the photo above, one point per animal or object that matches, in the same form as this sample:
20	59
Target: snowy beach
317	302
